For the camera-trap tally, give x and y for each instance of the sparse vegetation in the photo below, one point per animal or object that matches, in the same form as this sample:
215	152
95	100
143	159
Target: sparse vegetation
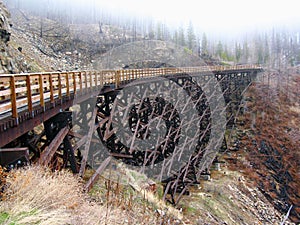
35	195
271	141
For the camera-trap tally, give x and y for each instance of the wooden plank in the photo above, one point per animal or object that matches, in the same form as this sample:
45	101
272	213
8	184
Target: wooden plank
10	155
117	78
85	80
13	149
91	79
74	82
51	88
80	81
12	133
94	140
68	84
13	98
29	94
41	89
80	143
121	155
48	153
96	79
22	102
87	144
5	92
96	175
59	87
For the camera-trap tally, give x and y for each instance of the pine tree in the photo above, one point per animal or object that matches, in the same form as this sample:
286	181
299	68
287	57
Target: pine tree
204	45
176	37
238	52
245	52
191	38
181	37
219	51
159	31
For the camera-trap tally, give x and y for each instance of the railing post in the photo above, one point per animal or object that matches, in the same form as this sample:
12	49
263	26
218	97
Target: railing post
13	99
80	82
68	85
41	89
59	87
96	78
51	89
91	80
86	83
29	94
117	78
128	76
101	78
74	83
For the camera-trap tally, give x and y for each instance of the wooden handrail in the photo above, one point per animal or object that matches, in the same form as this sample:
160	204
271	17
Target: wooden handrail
25	90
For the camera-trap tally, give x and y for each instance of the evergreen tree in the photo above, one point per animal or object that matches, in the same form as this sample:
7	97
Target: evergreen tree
176	37
238	52
245	52
204	45
181	37
159	31
191	38
266	50
219	51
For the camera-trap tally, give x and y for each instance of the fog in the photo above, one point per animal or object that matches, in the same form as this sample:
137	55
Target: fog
225	18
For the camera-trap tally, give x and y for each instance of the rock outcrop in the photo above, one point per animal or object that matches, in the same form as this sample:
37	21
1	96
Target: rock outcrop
7	64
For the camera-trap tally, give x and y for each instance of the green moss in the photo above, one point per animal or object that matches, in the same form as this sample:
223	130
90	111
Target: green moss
3	217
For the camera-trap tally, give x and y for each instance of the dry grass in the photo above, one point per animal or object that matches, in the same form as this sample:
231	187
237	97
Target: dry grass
36	195
130	192
150	197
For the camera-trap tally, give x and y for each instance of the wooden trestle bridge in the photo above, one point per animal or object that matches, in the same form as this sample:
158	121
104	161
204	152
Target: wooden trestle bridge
55	118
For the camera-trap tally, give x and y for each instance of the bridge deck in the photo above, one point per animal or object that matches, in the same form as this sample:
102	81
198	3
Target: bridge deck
27	100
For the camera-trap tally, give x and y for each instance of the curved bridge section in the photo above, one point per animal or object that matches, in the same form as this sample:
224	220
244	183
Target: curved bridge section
26	100
29	100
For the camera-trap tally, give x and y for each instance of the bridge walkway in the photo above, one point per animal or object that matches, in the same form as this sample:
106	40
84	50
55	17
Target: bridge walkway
27	100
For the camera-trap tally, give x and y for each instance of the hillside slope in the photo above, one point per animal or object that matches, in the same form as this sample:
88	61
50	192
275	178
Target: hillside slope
269	139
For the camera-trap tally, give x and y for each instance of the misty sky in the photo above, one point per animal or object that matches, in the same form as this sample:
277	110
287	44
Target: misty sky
223	15
211	16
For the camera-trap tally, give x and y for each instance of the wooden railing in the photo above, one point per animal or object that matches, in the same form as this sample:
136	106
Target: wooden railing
23	91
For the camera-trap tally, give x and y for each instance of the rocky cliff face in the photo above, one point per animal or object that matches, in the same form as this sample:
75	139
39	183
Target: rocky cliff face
11	56
22	50
7	64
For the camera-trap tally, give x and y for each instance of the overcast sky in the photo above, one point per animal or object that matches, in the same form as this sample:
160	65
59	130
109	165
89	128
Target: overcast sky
219	16
229	15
